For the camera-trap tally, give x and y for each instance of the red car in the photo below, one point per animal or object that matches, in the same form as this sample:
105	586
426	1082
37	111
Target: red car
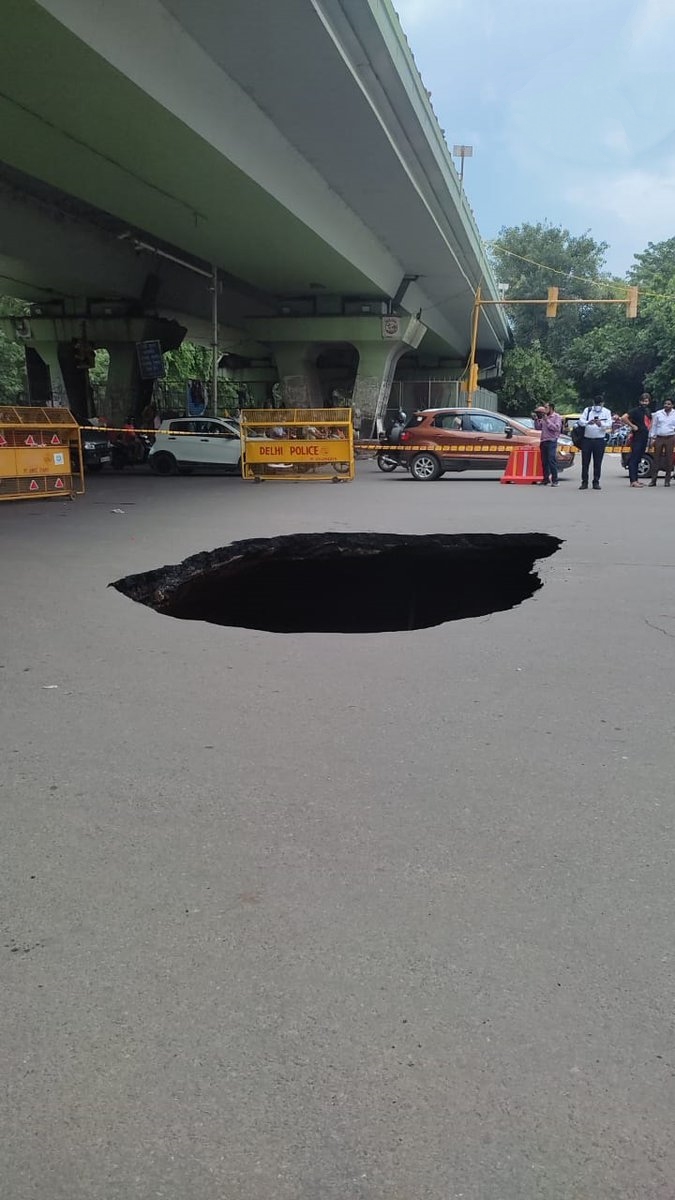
467	439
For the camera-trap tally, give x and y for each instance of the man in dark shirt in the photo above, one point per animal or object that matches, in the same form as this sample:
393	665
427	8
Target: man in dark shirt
639	420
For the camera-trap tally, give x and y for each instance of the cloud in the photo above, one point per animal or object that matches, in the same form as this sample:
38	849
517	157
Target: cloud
638	204
616	138
652	20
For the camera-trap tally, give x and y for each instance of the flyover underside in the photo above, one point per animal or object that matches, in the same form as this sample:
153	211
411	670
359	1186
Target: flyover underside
139	118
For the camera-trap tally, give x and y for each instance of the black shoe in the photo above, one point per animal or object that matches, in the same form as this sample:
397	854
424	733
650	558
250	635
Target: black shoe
543	483
653	483
667	483
584	487
596	487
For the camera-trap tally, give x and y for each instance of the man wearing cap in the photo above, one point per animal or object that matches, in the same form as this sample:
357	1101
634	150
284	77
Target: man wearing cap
548	421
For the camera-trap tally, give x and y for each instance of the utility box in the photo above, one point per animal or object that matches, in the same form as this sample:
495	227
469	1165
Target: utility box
40	453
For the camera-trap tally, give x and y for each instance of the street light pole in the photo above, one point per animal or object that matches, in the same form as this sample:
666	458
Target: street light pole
214	315
462	152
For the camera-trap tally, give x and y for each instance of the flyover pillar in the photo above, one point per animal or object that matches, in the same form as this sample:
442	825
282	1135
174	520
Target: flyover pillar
377	363
379	340
126	394
298	375
45	377
55	378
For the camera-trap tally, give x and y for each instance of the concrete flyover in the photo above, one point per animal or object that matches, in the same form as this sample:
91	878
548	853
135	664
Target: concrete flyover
292	146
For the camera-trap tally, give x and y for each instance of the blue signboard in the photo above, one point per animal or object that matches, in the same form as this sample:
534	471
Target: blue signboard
150	360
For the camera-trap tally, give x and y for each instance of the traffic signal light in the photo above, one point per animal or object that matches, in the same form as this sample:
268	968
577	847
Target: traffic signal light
552	302
632	302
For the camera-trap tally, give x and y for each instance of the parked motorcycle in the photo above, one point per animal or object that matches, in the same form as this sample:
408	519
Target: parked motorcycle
389	460
130	449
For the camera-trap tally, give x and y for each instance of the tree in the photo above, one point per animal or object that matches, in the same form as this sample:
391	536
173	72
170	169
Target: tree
654	269
612	360
529	259
13	381
622	357
189	361
529	379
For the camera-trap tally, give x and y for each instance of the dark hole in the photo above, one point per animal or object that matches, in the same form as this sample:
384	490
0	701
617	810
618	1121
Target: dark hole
347	583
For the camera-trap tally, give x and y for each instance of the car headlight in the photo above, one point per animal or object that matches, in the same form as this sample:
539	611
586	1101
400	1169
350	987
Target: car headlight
89	445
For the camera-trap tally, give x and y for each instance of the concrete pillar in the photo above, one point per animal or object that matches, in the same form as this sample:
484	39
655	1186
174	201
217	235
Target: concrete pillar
298	374
126	394
377	364
45	377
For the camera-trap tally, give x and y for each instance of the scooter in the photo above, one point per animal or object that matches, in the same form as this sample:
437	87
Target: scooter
389	460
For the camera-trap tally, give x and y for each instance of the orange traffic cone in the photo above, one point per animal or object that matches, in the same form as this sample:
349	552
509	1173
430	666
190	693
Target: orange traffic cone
524	466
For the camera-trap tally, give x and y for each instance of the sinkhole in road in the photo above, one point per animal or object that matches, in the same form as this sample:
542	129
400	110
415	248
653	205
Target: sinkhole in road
347	582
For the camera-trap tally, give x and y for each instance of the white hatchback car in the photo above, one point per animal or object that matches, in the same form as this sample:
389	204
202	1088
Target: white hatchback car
213	442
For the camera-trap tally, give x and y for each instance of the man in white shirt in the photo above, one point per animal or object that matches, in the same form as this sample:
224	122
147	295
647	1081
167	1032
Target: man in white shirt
597	424
662	435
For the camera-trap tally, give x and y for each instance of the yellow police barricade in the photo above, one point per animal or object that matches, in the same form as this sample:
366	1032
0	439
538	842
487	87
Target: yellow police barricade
297	443
40	453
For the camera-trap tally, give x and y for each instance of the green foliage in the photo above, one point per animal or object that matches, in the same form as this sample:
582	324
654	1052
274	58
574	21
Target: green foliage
567	262
654	268
586	350
530	379
189	361
612	360
13	382
98	374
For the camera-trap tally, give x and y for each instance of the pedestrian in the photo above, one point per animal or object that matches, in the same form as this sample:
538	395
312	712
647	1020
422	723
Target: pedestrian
639	420
662	437
549	422
596	421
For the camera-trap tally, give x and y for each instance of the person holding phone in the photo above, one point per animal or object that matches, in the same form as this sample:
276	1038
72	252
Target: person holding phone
639	419
596	421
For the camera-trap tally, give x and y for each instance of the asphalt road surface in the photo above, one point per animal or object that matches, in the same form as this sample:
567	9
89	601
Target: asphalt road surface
322	917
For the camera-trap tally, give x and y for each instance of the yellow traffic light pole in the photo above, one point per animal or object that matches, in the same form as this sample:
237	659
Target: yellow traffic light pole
470	385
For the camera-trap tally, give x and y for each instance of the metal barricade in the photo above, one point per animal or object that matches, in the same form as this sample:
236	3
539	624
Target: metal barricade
40	453
297	443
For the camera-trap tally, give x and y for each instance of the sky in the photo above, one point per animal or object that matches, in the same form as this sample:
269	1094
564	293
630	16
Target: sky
570	108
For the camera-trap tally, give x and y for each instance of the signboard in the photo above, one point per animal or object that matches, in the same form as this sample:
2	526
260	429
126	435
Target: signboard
391	327
150	360
285	450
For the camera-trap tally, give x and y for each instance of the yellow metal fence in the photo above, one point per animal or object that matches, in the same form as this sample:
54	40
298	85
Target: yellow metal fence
299	443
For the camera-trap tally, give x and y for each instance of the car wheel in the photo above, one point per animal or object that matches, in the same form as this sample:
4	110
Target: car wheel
163	463
644	467
94	467
386	463
425	467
